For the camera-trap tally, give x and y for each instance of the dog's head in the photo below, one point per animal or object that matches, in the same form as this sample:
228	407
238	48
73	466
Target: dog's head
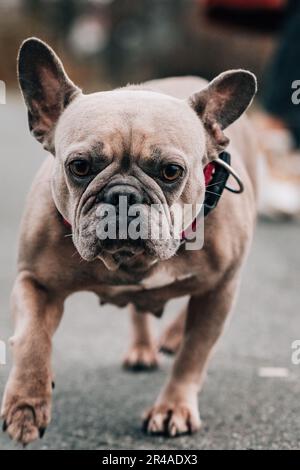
134	147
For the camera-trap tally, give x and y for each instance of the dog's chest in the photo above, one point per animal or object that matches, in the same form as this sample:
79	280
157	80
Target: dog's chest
159	279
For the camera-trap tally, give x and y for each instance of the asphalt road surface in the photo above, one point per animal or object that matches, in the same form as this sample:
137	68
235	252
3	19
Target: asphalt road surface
98	406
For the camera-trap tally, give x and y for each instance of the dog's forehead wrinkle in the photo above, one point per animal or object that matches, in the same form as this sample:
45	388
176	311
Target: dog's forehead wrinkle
94	149
125	162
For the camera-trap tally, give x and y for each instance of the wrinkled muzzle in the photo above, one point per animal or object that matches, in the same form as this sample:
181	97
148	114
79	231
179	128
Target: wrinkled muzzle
123	225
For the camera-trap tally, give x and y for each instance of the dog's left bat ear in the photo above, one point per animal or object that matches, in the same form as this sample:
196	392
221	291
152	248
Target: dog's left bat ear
46	88
222	102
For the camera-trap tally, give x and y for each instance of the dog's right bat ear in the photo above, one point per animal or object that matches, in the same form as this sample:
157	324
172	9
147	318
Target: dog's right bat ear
46	88
221	103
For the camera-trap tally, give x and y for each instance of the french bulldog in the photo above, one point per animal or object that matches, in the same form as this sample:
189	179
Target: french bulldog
149	143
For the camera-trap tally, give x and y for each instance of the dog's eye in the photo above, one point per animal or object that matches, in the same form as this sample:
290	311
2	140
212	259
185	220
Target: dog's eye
80	167
171	172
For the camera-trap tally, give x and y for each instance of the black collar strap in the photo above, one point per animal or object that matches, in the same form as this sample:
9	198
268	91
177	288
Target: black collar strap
216	174
217	183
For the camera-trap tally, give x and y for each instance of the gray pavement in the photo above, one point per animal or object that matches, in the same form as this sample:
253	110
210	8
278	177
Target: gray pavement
98	406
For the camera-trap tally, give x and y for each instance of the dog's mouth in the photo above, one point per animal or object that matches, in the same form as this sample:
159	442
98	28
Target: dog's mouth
116	254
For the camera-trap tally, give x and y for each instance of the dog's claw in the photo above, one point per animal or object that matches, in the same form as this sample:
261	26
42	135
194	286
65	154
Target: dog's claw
53	385
27	422
171	421
4	426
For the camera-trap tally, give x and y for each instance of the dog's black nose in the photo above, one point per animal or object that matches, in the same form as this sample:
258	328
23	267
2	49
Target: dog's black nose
115	194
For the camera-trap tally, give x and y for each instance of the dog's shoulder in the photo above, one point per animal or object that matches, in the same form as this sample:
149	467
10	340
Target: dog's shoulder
41	224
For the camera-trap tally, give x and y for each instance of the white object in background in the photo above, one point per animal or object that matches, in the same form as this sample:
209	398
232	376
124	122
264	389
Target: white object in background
2	92
2	353
276	197
270	372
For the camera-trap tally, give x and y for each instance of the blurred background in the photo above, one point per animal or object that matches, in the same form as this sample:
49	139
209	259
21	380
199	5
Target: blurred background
108	43
111	42
251	399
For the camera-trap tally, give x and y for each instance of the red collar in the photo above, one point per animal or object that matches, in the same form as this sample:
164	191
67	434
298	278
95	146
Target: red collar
208	172
216	174
66	223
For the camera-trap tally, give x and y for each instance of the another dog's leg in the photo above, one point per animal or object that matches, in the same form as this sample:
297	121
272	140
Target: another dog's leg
142	353
26	406
176	409
171	338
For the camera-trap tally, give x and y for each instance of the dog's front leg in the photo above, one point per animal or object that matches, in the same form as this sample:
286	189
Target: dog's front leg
176	409
26	406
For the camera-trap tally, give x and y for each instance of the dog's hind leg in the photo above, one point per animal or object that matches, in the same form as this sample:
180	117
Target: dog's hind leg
142	353
171	338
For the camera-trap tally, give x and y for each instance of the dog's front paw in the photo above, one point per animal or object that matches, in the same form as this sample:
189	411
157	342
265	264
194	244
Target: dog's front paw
25	419
171	419
141	357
